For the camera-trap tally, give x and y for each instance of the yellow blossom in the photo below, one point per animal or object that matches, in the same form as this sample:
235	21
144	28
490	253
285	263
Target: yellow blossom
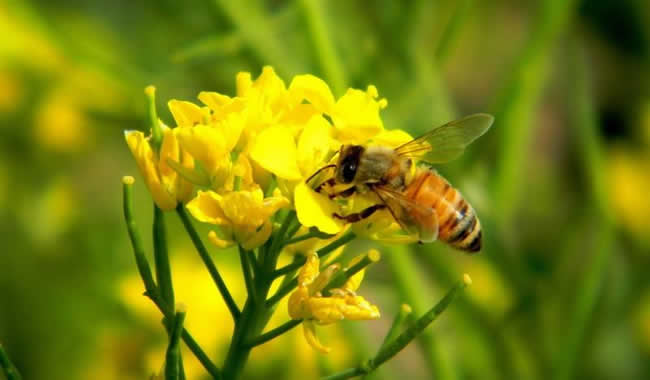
166	186
308	303
244	216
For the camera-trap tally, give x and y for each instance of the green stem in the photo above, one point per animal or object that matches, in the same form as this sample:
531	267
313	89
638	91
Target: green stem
248	276
331	65
404	311
343	240
303	237
136	240
402	340
346	374
156	131
10	371
290	285
271	334
394	347
147	278
276	244
161	257
207	261
173	355
343	276
405	272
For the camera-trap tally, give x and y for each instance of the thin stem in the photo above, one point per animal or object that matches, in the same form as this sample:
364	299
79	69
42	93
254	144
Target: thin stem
147	278
248	276
173	355
271	334
408	283
10	371
289	286
404	311
321	253
278	239
134	235
207	261
187	337
394	347
303	237
201	356
156	131
161	257
282	292
345	374
343	276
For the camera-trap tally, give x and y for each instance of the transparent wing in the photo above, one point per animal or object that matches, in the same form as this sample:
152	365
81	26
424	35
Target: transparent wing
448	141
412	217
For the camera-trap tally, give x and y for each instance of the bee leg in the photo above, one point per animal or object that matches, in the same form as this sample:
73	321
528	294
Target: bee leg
330	182
345	193
363	214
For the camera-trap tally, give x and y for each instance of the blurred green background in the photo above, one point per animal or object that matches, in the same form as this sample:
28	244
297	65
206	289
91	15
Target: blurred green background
561	181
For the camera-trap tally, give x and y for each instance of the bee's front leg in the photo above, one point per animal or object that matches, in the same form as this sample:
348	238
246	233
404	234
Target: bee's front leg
330	182
363	214
344	194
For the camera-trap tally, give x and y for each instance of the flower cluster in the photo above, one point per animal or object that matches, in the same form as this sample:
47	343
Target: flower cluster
309	303
236	161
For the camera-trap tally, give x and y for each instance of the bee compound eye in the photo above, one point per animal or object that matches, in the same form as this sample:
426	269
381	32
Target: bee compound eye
349	170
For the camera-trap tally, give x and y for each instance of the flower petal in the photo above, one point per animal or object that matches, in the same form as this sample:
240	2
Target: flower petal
356	115
310	335
147	163
186	113
275	150
392	138
205	143
206	207
314	90
313	145
316	210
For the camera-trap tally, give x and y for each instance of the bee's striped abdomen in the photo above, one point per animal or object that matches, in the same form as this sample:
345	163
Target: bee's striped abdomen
457	221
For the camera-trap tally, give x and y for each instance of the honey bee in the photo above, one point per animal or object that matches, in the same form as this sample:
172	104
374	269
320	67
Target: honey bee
420	200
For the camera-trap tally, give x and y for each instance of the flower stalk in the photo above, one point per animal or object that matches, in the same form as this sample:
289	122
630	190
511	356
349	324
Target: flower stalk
207	261
10	371
151	290
253	156
394	346
173	366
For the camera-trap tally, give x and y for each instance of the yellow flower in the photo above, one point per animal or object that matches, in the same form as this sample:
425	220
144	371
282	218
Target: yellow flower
244	216
166	186
307	302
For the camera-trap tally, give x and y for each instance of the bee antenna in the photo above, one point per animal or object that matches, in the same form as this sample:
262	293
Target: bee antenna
318	171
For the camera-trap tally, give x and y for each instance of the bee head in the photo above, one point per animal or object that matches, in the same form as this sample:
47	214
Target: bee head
348	164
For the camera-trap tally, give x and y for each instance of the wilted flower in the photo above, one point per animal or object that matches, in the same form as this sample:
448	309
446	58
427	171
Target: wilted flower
307	301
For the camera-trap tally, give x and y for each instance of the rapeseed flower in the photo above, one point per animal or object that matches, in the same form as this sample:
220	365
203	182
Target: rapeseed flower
309	303
243	216
167	187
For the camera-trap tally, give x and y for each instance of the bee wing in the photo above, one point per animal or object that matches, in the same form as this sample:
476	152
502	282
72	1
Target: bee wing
411	216
448	141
